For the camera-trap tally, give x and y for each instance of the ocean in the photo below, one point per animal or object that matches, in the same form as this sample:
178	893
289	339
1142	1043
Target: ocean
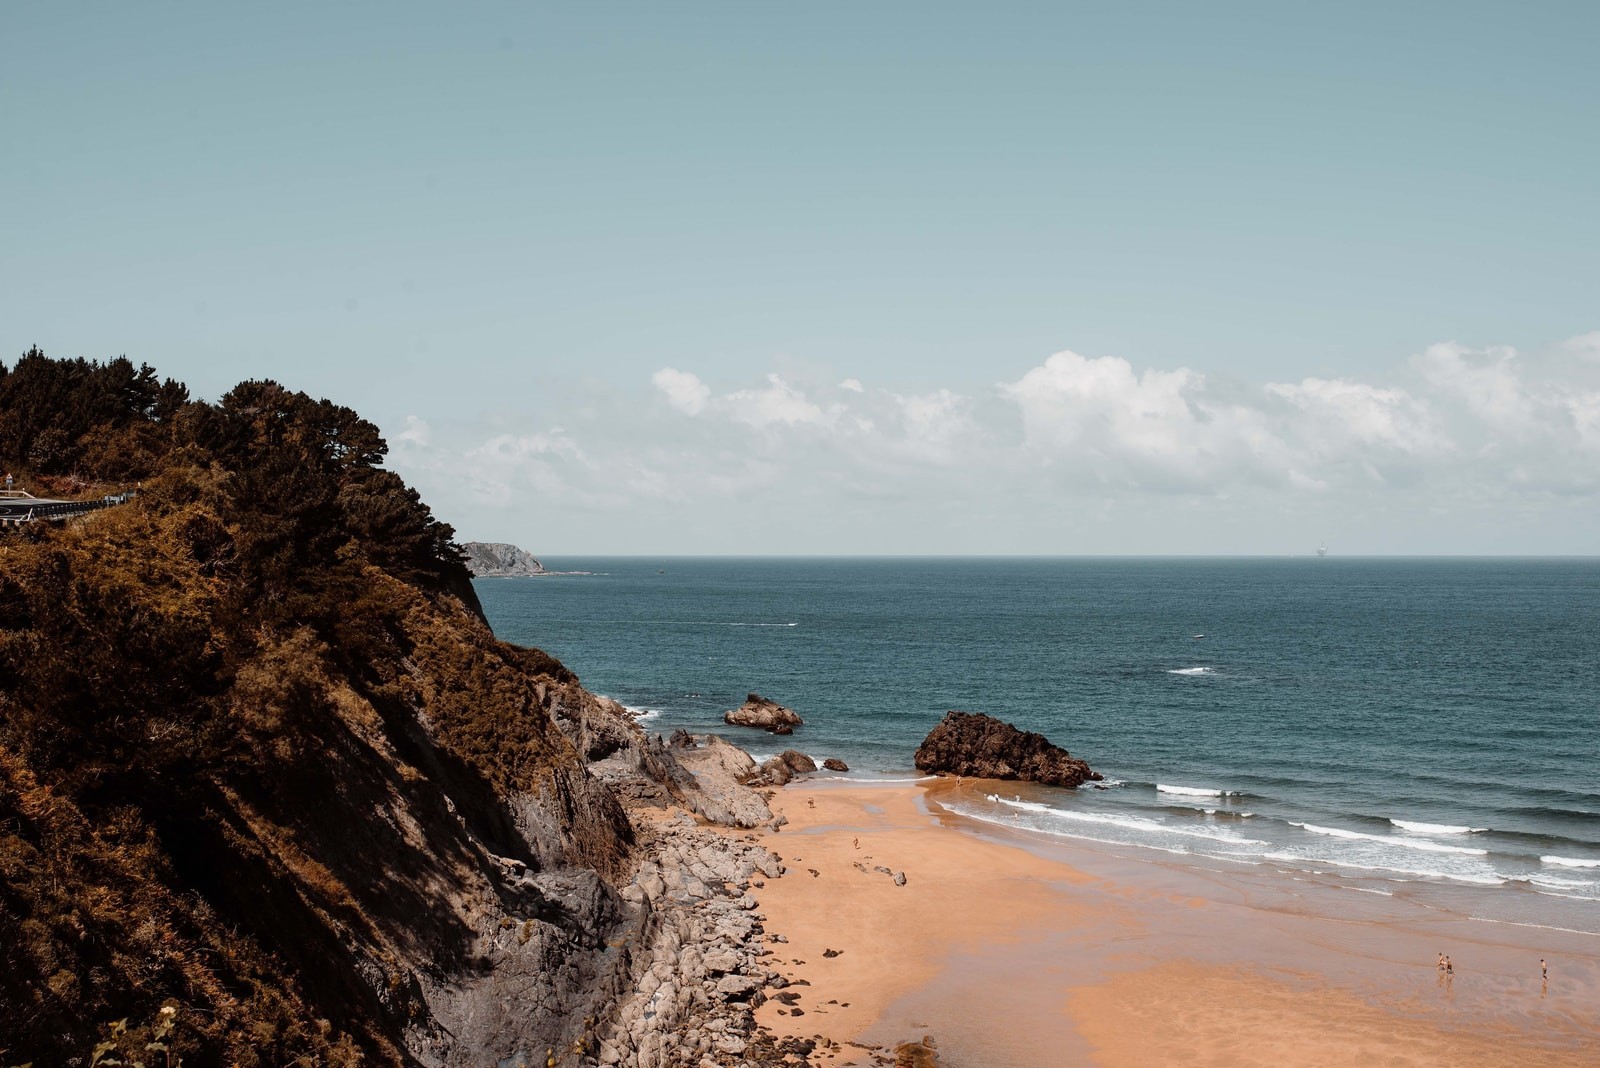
1390	725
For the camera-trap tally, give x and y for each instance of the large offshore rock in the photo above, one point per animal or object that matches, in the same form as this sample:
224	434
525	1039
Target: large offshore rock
757	711
971	743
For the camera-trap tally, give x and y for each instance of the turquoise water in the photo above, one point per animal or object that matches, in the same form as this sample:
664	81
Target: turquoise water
1386	721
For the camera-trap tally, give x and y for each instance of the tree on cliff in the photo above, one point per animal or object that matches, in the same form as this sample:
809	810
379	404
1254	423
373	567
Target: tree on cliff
216	791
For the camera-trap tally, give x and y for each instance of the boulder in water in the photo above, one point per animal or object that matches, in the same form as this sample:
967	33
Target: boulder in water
757	711
971	743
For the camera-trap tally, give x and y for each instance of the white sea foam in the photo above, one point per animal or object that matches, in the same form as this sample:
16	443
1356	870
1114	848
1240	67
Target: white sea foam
1435	828
1194	791
691	622
642	713
1556	882
985	817
1140	824
1389	839
1571	862
1427	873
1017	802
1192	671
1540	926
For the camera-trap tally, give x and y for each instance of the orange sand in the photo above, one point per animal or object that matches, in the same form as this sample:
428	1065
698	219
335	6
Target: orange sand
1011	958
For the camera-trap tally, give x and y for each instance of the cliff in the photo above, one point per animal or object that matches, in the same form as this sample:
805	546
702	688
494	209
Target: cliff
497	559
271	790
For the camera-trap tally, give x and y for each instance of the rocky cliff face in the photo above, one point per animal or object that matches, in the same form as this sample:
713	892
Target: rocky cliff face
271	790
497	559
970	743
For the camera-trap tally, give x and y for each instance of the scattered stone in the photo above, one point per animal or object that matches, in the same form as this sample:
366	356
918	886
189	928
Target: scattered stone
757	711
736	987
980	746
835	764
899	878
916	1054
832	952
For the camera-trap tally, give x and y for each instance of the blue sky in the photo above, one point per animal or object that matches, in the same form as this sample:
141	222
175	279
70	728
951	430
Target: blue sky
735	278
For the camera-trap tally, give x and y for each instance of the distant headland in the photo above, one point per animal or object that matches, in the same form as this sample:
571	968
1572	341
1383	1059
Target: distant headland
498	559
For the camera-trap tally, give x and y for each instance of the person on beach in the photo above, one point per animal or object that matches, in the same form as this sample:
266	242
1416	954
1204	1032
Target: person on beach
1440	965
1449	969
1544	970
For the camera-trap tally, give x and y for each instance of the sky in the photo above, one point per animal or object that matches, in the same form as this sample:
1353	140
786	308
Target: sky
889	278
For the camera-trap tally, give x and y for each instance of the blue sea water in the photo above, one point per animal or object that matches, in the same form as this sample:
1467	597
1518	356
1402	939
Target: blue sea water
1385	721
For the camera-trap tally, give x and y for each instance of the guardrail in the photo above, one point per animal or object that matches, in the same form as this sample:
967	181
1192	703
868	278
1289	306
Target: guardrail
15	512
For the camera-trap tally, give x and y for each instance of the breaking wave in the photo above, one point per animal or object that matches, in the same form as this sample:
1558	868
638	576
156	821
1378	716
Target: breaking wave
1194	791
1389	839
1435	828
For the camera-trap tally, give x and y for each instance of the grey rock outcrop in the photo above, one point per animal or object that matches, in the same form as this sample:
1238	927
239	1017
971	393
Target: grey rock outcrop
720	771
980	746
781	769
498	559
757	711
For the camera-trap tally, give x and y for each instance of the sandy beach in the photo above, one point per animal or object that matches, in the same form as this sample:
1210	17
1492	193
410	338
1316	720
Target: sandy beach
1009	951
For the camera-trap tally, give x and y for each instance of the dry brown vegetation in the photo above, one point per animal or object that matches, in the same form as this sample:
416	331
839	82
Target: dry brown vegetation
239	718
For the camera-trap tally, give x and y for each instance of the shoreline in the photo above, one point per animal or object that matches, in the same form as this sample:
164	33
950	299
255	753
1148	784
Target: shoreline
1014	951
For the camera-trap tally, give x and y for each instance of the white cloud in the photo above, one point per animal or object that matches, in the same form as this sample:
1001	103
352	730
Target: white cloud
684	391
1341	414
776	403
506	464
1584	347
1152	430
417	432
1071	444
1488	381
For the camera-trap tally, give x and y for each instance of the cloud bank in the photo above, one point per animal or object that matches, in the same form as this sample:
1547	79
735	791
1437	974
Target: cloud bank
1080	453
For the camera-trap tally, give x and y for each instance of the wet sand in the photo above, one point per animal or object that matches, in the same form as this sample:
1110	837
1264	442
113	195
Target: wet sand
1014	952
